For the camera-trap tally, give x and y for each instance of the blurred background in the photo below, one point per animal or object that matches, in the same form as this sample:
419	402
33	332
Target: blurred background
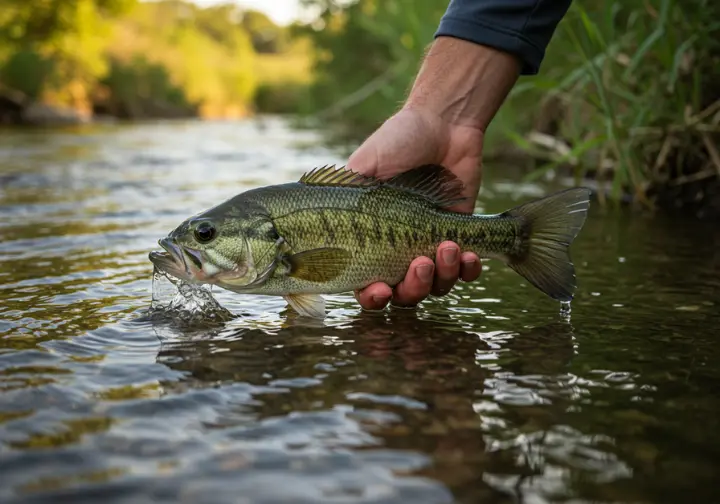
628	95
119	119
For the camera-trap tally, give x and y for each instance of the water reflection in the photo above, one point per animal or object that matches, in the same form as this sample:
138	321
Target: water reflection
485	395
474	404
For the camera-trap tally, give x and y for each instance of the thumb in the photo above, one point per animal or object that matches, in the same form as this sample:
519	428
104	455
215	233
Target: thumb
403	142
365	159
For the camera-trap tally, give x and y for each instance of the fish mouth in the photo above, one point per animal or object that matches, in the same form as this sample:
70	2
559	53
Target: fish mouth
176	260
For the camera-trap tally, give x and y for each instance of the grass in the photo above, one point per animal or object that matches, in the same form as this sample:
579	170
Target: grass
628	93
634	88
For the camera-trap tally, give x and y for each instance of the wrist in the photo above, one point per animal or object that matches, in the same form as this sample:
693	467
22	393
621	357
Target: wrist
463	83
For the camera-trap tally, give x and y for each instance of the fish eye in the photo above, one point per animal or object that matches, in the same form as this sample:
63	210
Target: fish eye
205	232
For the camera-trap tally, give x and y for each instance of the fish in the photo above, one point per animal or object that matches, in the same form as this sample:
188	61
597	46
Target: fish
336	230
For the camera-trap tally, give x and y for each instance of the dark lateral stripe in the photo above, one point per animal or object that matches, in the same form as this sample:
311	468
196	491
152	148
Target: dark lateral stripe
378	228
473	237
329	231
434	233
359	231
391	236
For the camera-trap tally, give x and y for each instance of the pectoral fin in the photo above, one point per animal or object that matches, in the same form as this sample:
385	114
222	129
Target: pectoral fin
307	305
318	265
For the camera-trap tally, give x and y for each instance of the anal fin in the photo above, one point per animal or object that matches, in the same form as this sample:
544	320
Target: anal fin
307	305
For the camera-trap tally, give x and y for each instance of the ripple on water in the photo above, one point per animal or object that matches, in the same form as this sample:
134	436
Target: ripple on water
486	395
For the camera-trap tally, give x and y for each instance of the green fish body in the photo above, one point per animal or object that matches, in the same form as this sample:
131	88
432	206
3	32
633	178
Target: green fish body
336	231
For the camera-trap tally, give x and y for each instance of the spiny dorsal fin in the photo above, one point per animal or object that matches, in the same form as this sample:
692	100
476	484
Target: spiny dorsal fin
332	176
433	182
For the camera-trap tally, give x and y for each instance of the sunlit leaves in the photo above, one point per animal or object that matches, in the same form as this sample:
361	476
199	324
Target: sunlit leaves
168	52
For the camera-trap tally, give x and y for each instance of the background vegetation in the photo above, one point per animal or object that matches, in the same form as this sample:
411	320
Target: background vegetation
629	92
133	59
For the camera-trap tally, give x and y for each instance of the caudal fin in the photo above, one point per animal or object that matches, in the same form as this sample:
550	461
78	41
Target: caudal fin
548	227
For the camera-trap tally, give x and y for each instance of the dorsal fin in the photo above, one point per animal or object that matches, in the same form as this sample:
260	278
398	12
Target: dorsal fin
332	176
433	182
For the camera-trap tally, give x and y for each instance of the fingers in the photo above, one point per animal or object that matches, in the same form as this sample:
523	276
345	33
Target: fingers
447	271
417	283
410	291
470	267
451	265
374	296
424	278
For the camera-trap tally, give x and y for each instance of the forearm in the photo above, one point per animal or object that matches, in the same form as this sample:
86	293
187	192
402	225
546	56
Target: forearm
482	47
520	27
464	83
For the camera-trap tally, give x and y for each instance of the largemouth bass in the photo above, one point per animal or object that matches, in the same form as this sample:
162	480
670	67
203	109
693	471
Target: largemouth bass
336	230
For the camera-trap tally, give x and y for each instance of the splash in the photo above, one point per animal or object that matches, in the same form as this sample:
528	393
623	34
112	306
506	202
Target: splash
188	302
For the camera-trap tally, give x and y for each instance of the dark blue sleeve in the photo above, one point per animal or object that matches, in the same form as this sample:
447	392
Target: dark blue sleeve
520	27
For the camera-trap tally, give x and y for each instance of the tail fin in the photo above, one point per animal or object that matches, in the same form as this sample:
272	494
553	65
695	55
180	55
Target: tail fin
548	227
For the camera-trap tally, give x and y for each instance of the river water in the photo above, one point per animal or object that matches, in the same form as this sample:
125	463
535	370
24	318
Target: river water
485	395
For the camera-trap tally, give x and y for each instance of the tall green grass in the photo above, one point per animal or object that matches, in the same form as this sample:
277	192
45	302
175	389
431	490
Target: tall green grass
628	92
637	85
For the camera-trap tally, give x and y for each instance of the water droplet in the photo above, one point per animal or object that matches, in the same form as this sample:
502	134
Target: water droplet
565	309
185	301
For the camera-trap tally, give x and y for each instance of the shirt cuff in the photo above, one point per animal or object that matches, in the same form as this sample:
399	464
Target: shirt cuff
499	38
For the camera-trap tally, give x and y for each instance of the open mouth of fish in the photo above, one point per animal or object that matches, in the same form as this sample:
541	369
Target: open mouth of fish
177	261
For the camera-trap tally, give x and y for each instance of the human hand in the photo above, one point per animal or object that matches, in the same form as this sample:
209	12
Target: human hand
413	137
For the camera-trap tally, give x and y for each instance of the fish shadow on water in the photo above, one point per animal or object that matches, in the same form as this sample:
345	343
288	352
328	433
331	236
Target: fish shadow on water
412	381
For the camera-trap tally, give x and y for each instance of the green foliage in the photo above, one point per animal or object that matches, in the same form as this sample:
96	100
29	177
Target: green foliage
629	91
205	52
372	48
167	52
140	81
42	22
284	79
633	92
282	98
25	71
67	39
266	36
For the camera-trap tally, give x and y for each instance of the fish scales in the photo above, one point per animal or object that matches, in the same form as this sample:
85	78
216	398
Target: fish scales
382	233
336	230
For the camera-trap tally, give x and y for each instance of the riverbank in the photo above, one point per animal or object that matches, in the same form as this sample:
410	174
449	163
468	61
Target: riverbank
16	109
628	95
693	196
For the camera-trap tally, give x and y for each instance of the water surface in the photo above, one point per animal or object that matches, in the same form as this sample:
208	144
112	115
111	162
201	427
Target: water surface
485	395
